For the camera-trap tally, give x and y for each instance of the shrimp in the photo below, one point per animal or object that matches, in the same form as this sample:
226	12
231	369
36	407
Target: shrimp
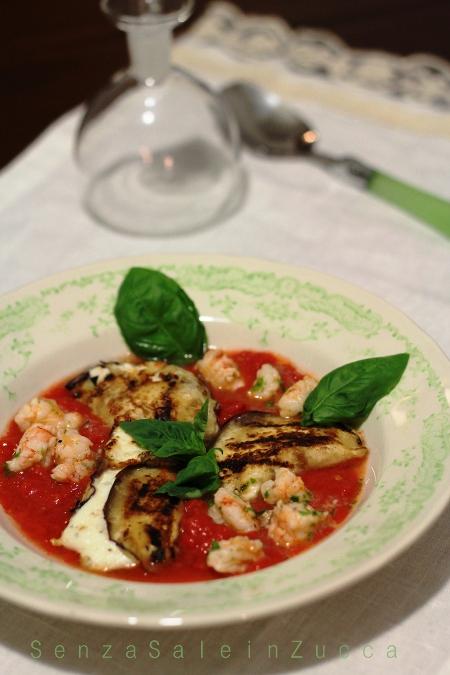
33	448
248	482
46	412
230	556
215	513
220	370
235	511
291	403
293	523
71	420
73	457
38	411
267	382
284	487
51	437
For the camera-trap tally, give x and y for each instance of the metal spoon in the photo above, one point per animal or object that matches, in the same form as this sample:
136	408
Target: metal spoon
270	128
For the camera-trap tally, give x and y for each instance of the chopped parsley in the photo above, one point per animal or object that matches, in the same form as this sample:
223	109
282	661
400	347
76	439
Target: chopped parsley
258	385
244	486
310	512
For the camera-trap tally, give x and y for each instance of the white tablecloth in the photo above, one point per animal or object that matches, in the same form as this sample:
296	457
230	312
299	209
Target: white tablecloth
397	620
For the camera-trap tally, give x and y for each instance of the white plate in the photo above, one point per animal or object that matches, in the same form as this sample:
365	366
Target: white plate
56	326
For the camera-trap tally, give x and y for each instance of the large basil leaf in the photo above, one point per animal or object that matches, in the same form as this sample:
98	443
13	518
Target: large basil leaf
157	319
170	439
200	476
347	395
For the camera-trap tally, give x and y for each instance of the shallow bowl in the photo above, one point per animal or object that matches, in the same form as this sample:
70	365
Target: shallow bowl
56	326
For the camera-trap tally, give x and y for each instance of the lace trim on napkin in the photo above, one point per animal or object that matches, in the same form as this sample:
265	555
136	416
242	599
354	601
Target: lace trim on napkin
317	53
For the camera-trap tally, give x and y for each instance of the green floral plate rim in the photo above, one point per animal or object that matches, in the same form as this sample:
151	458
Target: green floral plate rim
51	328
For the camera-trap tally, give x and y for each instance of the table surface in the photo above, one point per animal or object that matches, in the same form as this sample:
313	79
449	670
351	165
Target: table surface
56	54
397	619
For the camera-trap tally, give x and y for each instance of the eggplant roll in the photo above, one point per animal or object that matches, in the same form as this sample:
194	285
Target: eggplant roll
258	438
152	390
141	522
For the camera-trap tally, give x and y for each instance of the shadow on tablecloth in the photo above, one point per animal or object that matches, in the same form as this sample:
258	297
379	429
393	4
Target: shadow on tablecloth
351	618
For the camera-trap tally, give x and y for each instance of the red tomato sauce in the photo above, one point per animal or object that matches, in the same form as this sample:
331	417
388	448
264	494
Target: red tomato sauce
42	507
232	403
38	504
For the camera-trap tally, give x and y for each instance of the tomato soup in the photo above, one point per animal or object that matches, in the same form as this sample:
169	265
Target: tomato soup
42	507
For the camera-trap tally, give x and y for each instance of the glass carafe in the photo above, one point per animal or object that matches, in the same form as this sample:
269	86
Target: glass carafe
159	149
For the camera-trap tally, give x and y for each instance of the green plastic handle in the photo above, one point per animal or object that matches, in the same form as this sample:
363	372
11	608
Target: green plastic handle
422	205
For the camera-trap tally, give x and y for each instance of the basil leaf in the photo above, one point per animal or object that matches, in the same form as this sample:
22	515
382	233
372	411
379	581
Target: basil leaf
165	439
200	476
201	419
157	319
170	439
348	394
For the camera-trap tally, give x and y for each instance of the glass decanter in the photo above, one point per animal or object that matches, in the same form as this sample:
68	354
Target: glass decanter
159	149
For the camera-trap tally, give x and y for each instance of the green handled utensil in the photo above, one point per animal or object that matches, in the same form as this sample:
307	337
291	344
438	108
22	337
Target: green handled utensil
423	205
271	128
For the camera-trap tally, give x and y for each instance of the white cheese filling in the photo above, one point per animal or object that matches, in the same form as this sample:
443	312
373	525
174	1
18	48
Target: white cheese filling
122	449
87	532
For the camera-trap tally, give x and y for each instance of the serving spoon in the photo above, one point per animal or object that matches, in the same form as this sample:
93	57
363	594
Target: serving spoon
271	128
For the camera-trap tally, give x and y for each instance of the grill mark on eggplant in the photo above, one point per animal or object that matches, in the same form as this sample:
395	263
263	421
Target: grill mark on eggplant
78	379
282	439
164	411
260	419
230	466
170	378
143	490
155	537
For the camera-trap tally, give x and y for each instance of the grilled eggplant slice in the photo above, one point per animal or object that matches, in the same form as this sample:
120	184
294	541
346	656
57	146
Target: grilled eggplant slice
152	390
258	438
144	524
